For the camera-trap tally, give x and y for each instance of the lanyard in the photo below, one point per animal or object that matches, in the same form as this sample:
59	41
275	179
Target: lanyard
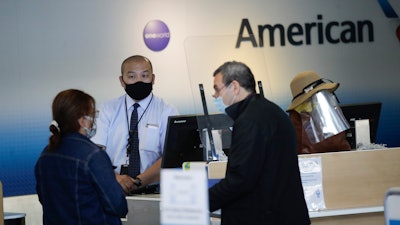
133	128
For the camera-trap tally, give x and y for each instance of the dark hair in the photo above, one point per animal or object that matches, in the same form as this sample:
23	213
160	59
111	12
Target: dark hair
135	58
237	71
68	106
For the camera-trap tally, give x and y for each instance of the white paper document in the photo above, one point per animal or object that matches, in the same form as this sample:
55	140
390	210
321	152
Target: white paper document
362	132
311	178
184	197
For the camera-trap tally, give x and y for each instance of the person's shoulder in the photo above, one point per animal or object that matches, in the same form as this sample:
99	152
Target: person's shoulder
90	147
160	102
113	103
95	153
262	106
78	145
264	101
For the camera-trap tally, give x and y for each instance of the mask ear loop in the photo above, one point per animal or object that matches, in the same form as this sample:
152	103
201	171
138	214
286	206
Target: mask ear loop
233	99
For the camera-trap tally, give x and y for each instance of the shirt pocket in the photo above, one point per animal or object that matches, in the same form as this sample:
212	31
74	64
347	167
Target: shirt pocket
151	138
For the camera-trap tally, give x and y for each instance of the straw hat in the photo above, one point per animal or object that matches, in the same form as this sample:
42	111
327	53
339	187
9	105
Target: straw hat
306	84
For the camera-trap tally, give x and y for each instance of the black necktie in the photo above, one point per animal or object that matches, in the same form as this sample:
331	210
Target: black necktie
134	157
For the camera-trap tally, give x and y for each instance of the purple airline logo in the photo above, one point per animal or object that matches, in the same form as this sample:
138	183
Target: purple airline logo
156	35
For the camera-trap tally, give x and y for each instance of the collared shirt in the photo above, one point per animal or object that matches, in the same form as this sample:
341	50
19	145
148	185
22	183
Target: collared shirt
113	128
76	184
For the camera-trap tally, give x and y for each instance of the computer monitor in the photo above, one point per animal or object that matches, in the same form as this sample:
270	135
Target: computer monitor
352	112
183	139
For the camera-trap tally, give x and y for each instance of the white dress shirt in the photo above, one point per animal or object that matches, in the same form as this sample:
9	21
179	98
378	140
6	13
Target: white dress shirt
113	128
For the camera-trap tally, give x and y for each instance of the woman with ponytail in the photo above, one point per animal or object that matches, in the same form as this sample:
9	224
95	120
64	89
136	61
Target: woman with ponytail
75	181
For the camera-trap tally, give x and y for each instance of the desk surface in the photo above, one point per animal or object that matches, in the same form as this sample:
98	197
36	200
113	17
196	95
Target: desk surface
345	212
144	197
12	215
313	214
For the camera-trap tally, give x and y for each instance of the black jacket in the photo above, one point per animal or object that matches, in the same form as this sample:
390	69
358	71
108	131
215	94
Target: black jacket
262	183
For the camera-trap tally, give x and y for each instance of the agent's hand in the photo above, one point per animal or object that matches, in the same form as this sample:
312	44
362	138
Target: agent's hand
126	182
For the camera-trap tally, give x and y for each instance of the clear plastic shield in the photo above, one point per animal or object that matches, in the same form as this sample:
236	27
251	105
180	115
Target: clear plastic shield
322	117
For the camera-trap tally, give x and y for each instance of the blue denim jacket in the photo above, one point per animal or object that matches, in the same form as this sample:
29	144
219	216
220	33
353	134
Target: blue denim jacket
76	184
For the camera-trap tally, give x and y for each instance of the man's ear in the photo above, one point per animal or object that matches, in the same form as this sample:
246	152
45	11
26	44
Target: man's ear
81	121
236	87
82	125
121	80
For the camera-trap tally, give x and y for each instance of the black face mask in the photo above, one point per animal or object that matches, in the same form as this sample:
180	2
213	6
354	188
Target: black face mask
139	90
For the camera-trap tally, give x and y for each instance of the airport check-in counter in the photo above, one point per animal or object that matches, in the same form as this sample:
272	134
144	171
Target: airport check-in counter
354	186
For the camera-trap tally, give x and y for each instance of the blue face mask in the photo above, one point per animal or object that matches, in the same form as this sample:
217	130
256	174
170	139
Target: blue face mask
90	132
220	104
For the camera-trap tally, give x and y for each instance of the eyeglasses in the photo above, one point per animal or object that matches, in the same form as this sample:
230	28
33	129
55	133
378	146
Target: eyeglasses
218	90
91	118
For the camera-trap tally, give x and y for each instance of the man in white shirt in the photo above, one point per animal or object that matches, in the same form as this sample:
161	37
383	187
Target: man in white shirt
114	126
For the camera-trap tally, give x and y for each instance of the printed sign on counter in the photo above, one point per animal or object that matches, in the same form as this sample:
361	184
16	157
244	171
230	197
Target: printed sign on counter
184	197
311	177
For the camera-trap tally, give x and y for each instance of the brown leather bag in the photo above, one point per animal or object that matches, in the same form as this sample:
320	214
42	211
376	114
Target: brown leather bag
332	144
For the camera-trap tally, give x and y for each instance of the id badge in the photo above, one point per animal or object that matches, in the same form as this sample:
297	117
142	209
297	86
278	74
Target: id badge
124	169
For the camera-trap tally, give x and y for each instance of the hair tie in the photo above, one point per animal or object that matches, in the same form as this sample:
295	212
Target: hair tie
54	123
